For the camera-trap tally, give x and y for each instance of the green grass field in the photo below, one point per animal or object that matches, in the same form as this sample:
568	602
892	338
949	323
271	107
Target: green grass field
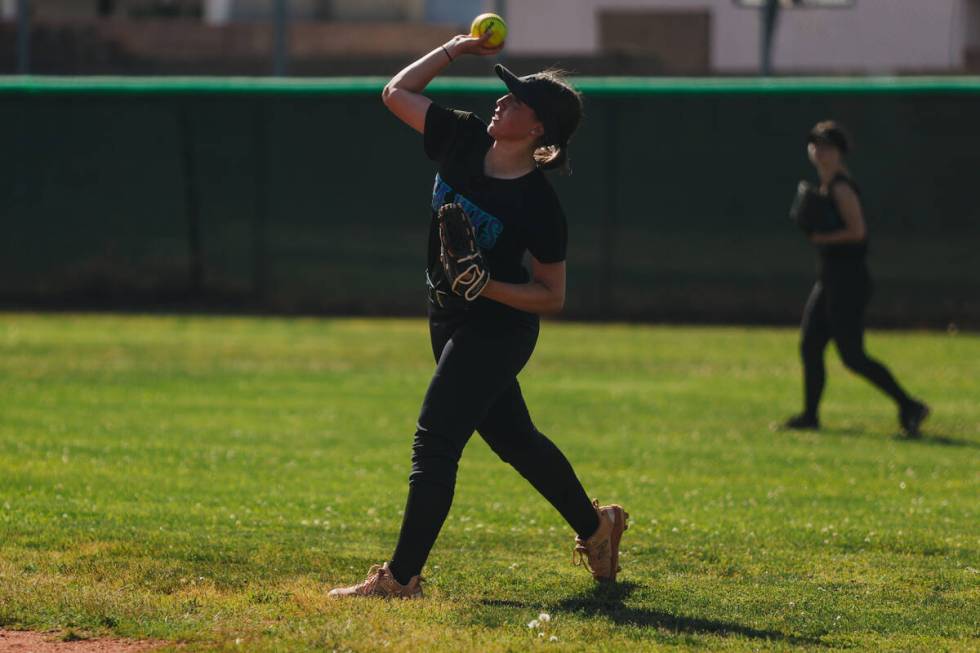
205	481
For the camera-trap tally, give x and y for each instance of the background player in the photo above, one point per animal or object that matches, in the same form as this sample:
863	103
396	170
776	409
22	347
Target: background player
835	309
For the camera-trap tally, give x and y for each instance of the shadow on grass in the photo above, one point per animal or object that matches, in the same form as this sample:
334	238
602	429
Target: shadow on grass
608	601
927	438
940	440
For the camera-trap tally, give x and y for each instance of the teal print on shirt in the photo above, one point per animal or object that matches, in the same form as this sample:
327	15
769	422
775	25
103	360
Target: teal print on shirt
486	226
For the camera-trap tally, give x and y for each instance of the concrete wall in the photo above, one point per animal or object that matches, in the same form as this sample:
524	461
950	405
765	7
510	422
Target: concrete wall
875	36
219	11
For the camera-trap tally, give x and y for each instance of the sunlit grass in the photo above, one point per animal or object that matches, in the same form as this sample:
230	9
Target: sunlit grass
206	480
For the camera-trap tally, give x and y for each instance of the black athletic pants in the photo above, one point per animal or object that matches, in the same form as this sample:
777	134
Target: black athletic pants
475	388
835	311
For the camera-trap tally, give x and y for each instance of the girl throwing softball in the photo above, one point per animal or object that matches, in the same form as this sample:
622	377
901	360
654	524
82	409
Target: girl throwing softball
495	172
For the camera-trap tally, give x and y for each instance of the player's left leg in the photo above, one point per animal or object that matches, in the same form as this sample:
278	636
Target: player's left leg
847	303
511	434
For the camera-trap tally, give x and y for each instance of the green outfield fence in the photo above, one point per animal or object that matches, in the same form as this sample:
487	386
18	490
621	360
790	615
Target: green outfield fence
307	196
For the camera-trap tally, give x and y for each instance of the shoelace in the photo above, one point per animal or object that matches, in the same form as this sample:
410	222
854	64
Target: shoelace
580	556
373	578
581	550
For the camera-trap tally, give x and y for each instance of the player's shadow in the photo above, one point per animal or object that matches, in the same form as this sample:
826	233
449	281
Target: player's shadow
609	601
938	440
925	438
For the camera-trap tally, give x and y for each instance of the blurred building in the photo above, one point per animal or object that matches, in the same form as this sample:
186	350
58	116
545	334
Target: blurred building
225	11
440	11
600	37
228	37
722	37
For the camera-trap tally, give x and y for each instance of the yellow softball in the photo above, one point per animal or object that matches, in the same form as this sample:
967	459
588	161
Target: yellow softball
485	22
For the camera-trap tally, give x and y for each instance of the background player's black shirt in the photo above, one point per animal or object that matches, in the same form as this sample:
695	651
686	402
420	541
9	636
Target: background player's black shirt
510	216
842	259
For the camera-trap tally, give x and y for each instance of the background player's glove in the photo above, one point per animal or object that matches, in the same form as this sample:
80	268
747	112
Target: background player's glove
459	254
814	211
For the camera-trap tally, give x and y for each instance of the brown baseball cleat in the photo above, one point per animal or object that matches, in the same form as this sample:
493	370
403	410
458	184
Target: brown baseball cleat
600	553
381	583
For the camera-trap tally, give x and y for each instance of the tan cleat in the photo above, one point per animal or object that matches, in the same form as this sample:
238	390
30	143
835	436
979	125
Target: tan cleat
381	583
600	553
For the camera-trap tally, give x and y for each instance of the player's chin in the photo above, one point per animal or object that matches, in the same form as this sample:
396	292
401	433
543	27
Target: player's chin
501	130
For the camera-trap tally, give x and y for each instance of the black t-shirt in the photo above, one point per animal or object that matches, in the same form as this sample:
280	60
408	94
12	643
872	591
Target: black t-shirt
842	257
510	216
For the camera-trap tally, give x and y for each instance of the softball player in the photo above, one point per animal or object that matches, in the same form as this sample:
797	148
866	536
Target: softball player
495	173
835	309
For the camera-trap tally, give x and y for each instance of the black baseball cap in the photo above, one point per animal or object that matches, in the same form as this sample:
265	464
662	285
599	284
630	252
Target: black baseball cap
829	132
557	105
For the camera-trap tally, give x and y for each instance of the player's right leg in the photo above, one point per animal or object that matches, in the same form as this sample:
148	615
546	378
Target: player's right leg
814	336
475	366
509	431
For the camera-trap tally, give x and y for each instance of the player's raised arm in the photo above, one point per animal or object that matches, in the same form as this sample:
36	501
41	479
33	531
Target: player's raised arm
403	94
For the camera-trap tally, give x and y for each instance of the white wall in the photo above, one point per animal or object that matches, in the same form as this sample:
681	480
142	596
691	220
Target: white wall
221	11
875	36
217	12
972	26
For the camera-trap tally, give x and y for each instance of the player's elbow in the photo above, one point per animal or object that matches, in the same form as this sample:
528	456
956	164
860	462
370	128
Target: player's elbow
854	233
391	95
555	305
386	94
552	300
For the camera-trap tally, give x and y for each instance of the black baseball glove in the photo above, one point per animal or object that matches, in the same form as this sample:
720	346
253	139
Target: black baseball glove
459	254
813	211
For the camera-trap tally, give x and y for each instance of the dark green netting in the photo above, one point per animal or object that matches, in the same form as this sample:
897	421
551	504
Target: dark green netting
308	195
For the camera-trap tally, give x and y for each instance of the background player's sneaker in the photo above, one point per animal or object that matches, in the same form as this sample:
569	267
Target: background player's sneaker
380	582
802	422
600	553
912	416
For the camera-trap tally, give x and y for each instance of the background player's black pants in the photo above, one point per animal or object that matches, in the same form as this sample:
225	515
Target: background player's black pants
475	388
835	311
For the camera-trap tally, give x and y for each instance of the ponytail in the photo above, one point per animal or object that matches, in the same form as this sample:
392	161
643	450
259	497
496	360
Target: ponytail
561	117
553	157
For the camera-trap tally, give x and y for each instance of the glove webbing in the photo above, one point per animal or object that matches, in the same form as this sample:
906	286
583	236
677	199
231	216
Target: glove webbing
472	279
